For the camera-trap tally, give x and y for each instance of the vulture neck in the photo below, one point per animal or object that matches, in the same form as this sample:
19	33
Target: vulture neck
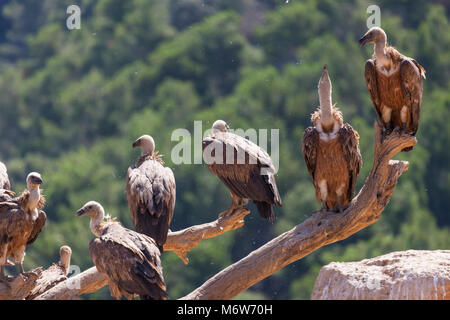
35	196
380	53
97	224
326	114
146	153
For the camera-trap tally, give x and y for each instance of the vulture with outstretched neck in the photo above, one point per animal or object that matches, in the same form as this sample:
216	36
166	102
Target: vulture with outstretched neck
244	167
331	152
151	192
130	260
395	85
21	222
55	274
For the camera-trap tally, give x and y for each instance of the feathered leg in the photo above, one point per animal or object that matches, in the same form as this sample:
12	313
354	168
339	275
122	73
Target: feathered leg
324	207
339	208
236	203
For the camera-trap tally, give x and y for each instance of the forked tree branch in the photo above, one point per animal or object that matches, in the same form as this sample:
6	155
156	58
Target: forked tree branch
321	229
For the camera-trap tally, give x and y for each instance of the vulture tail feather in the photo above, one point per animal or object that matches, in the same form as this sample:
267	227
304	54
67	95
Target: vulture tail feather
265	210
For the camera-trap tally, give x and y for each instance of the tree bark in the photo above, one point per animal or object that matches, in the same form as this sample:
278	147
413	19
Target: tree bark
17	288
185	240
321	229
71	289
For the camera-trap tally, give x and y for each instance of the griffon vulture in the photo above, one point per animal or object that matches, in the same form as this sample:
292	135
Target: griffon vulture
52	276
395	85
244	167
21	222
331	152
151	192
130	260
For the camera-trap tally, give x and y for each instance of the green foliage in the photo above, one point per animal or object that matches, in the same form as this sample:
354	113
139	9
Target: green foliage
72	103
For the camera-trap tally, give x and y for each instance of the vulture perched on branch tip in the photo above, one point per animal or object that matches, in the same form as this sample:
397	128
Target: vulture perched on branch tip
395	85
331	152
244	167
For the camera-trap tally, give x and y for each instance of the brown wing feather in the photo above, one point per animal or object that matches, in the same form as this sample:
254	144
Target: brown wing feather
309	149
410	73
38	225
15	227
151	193
131	262
22	200
348	138
371	81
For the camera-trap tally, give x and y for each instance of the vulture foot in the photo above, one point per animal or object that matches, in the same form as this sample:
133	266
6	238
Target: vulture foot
226	213
338	209
324	208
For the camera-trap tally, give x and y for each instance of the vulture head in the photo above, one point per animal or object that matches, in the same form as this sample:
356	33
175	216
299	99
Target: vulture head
146	143
374	35
34	180
324	89
92	209
220	125
324	86
65	254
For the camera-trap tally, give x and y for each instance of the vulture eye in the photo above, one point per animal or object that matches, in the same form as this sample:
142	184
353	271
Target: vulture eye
90	207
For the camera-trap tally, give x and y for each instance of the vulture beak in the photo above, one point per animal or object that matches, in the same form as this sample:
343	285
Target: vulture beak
80	212
137	143
37	180
364	40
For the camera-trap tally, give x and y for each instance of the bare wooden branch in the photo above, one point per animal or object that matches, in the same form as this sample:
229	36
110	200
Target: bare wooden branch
71	289
180	242
185	240
17	288
321	229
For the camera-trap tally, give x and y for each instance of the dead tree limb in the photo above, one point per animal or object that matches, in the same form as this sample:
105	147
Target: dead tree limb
320	229
71	289
19	287
184	240
180	242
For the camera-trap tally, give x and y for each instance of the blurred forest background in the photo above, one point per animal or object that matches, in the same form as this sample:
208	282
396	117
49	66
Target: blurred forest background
72	103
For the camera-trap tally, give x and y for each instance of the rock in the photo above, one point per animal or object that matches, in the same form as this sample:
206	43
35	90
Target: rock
402	275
